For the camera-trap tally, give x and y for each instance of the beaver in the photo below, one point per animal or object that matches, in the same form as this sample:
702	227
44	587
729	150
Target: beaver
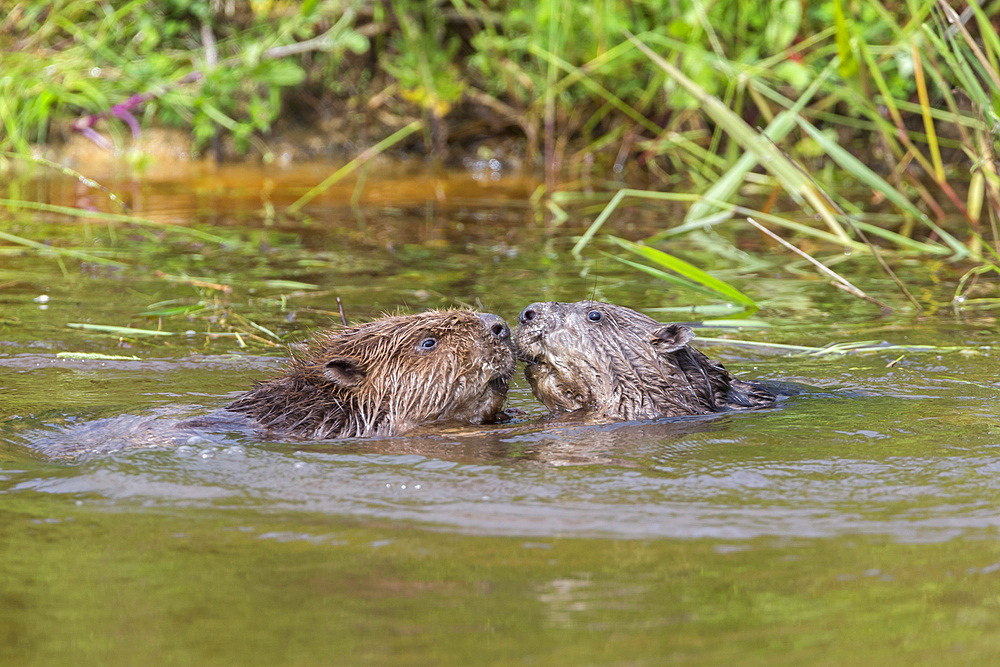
612	364
389	376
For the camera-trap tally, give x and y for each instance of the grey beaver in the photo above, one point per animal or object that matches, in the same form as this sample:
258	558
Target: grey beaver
389	376
612	363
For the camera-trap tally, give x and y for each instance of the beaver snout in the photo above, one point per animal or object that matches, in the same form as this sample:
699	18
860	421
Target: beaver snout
495	325
531	313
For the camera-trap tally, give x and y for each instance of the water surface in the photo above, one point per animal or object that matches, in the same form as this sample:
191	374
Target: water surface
855	522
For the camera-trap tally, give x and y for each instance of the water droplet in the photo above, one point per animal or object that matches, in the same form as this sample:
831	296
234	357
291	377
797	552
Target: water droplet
41	298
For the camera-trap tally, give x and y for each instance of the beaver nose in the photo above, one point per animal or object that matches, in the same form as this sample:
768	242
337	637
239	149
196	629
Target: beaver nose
530	313
495	325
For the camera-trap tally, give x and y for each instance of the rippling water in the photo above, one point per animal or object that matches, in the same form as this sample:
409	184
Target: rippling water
874	464
855	521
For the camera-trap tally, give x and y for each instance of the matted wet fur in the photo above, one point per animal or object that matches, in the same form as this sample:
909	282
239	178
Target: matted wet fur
389	376
613	363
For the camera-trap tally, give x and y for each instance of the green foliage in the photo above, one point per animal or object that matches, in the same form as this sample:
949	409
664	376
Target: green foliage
208	67
422	58
898	97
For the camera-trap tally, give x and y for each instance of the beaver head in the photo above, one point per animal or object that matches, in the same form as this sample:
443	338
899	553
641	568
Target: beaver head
616	364
389	376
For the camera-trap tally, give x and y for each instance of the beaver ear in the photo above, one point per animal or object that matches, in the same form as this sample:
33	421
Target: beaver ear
671	337
345	371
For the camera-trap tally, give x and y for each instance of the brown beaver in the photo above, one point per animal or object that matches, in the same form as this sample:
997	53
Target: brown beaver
388	376
613	364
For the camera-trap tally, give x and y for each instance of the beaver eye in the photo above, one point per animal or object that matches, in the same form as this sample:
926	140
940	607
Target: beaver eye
428	344
594	316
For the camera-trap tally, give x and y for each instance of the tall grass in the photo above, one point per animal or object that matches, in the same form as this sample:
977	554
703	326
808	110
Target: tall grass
932	159
898	100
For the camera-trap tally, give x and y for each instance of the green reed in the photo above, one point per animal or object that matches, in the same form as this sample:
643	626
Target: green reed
714	100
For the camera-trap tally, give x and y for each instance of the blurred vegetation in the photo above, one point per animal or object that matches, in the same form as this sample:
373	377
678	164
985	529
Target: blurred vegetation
865	124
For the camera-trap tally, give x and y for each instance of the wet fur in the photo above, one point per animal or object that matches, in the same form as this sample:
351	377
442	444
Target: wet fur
624	366
375	379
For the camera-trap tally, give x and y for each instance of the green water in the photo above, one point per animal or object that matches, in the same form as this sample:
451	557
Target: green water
854	524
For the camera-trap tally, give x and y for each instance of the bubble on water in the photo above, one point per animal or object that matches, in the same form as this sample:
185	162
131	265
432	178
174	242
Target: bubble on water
299	465
41	298
196	440
185	450
235	450
207	454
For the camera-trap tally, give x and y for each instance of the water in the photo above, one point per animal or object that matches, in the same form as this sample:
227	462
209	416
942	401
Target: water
855	522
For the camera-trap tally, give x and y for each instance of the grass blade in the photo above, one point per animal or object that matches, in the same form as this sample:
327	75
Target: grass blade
65	252
119	331
110	217
864	174
689	271
354	164
776	130
663	275
767	153
615	202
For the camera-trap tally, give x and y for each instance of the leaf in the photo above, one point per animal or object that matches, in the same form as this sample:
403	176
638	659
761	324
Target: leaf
289	284
663	275
96	356
280	73
121	331
848	65
706	282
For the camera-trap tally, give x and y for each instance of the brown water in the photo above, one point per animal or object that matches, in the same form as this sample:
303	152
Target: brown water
854	523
